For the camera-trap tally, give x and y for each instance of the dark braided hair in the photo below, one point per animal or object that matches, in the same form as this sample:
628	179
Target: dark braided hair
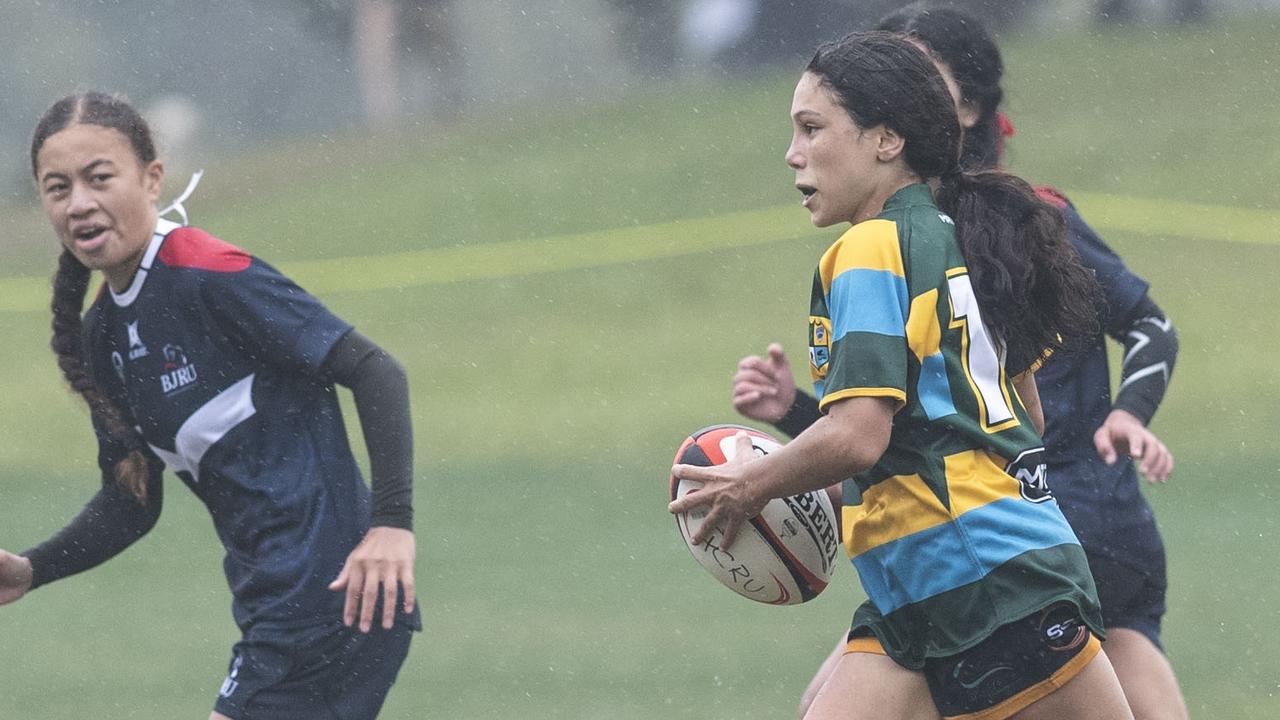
71	281
1034	293
960	41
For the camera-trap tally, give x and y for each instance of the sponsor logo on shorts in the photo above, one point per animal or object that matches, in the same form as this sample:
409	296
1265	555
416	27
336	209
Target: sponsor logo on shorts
1061	628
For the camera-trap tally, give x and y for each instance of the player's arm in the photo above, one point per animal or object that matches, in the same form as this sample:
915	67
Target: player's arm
385	557
1150	351
850	438
111	521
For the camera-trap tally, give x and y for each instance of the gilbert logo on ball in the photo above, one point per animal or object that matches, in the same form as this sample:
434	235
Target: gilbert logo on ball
785	555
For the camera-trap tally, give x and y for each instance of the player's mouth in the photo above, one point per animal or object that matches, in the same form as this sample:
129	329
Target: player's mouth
808	191
90	237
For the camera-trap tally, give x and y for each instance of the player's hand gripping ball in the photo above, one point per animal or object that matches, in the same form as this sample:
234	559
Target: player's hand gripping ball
787	553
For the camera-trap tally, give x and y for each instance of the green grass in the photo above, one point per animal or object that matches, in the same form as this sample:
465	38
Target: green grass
548	403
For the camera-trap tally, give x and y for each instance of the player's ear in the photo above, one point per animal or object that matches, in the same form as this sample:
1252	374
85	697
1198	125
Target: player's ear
889	145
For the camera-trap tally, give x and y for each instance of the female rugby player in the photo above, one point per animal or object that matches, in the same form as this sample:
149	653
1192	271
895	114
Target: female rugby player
921	346
1089	437
201	358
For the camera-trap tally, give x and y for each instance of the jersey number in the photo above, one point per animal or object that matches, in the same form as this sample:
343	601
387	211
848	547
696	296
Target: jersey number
981	358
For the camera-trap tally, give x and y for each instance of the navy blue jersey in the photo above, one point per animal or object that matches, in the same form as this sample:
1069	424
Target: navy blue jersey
214	355
1103	503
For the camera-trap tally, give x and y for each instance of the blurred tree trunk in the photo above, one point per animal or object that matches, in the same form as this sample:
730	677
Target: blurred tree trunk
374	41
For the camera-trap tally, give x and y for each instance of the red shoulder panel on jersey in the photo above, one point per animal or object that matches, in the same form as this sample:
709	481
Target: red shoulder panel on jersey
194	248
1052	196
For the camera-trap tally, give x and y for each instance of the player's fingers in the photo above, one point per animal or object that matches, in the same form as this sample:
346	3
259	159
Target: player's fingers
340	581
390	592
730	528
355	583
690	501
410	590
1102	442
1162	464
777	357
1137	446
753	362
743	449
710	526
754	377
369	597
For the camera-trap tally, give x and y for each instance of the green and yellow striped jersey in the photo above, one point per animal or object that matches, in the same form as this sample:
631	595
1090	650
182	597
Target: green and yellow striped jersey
953	531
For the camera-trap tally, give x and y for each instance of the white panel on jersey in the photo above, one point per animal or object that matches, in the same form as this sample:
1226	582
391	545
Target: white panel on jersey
984	360
163	228
207	425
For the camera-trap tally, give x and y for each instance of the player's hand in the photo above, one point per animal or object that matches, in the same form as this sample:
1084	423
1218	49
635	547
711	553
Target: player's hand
725	489
763	388
381	563
1122	433
15	577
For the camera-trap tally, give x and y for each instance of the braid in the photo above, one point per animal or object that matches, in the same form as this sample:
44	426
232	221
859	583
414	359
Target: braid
70	283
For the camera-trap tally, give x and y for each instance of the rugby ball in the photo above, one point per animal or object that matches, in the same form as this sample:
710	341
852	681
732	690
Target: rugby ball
785	555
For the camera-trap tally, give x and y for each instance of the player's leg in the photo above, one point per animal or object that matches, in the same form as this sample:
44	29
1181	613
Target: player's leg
869	685
1092	694
218	716
1145	675
820	678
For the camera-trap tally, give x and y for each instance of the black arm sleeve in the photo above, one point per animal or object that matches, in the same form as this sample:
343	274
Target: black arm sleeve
381	391
111	521
802	413
1150	351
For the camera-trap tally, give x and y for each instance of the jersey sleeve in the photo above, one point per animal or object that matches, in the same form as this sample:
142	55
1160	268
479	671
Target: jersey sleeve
1121	289
864	287
271	318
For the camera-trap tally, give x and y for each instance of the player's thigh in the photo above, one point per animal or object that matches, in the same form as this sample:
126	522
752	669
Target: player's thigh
867	686
1093	694
218	716
1145	675
824	672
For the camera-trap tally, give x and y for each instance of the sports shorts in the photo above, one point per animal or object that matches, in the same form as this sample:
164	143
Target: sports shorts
1130	598
328	672
1015	666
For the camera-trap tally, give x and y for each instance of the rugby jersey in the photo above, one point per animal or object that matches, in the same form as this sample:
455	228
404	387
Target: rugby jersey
953	531
214	355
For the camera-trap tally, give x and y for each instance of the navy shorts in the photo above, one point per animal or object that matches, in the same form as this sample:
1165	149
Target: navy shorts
1012	668
1131	599
330	672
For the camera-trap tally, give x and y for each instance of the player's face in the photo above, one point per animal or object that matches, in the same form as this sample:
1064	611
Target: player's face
100	199
835	161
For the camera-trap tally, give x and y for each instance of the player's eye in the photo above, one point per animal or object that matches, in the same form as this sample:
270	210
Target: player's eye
99	178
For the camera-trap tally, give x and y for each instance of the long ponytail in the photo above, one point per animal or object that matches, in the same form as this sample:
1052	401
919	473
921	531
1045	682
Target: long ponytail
1034	293
70	283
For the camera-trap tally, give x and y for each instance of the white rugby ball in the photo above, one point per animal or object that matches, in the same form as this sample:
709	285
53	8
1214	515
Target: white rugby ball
785	555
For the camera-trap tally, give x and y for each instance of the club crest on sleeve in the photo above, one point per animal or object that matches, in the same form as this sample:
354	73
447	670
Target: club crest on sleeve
819	345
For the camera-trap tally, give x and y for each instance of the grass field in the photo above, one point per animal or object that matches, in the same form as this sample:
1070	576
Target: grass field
653	249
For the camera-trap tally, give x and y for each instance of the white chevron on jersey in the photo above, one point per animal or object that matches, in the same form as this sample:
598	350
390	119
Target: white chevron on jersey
207	425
